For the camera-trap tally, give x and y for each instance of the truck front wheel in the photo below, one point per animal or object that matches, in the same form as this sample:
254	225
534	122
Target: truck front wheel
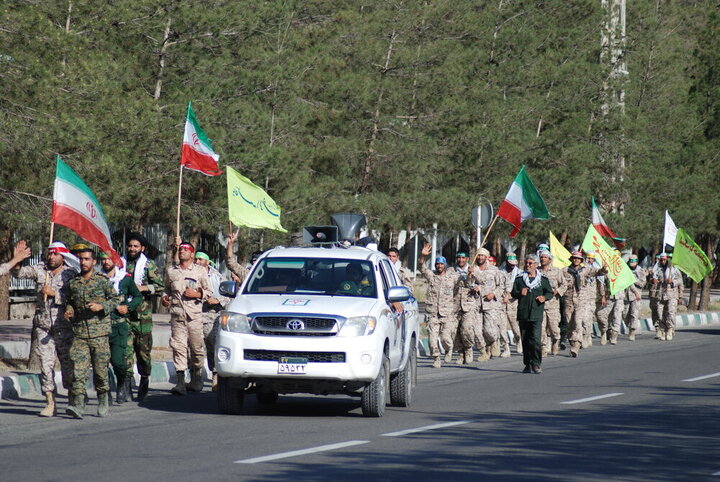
374	396
230	399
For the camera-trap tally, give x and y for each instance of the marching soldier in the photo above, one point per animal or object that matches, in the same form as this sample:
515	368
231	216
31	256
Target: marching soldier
465	308
510	303
633	295
90	300
551	320
489	284
442	322
579	299
670	281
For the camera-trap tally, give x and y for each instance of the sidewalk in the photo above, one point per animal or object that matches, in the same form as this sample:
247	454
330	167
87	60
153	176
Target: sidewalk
15	344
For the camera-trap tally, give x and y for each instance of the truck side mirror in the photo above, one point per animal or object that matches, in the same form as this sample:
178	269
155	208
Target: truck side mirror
398	294
228	288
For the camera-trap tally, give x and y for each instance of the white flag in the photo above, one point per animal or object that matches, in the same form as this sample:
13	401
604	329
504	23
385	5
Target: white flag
670	231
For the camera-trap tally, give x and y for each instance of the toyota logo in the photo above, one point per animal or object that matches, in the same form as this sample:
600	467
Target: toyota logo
295	325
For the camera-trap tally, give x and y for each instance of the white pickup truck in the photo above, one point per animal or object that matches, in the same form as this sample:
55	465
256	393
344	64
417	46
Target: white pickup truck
320	320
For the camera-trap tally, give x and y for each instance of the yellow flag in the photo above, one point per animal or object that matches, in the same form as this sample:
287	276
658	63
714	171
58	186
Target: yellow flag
618	272
249	205
561	256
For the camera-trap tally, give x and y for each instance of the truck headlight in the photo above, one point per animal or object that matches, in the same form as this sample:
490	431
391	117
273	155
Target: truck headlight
234	322
358	326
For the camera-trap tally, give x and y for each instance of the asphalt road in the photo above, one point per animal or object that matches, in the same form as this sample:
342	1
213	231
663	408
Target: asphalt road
646	410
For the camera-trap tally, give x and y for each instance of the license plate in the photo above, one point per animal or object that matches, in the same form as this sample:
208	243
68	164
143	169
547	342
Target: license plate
292	365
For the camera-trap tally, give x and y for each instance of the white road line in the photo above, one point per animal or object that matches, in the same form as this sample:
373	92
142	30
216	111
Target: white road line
295	453
591	399
704	377
716	473
425	428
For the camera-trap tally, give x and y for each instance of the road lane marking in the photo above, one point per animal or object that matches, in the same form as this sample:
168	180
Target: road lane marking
295	453
716	473
591	399
704	377
425	428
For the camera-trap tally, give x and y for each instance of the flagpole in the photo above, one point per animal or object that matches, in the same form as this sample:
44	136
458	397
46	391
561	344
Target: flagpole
177	223
484	239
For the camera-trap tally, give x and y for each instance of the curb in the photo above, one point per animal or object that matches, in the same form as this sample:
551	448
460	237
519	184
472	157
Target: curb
14	385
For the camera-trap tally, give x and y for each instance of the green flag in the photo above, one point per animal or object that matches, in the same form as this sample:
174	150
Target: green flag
250	206
689	258
618	274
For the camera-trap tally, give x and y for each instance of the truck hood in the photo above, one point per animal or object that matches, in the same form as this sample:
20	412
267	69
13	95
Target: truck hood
345	306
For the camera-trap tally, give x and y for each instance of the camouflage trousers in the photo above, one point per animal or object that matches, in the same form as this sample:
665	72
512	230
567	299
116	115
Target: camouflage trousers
632	319
118	347
551	326
668	311
600	316
210	327
184	334
578	312
139	344
441	329
87	353
465	320
54	345
511	322
655	311
615	315
484	331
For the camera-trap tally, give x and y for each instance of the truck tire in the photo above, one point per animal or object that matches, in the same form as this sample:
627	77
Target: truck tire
374	396
230	399
401	383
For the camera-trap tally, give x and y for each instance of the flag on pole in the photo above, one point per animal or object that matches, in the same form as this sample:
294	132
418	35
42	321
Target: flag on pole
619	274
561	256
197	152
522	202
76	208
249	205
670	231
599	222
689	258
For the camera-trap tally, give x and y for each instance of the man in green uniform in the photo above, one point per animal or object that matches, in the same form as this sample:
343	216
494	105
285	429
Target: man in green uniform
147	277
532	289
90	299
129	299
356	283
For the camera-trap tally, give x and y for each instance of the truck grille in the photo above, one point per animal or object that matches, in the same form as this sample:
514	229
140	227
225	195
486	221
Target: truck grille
279	325
312	356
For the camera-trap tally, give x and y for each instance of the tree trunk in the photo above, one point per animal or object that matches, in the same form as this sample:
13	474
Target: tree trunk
161	61
707	282
692	301
5	244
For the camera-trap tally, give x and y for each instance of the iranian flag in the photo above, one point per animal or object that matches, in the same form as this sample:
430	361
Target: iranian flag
522	202
599	223
76	207
197	152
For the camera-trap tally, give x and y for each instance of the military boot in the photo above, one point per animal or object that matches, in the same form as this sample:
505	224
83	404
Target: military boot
121	394
214	382
587	343
76	407
574	349
50	409
669	334
145	385
506	350
103	404
495	349
179	388
460	358
448	356
436	362
484	354
196	381
603	337
555	348
613	337
518	347
631	335
468	356
659	335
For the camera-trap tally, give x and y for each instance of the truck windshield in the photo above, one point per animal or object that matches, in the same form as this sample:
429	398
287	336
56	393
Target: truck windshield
319	276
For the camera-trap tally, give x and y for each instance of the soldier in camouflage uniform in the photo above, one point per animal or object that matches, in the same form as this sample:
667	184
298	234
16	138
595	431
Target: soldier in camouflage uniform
405	275
489	284
129	298
20	254
186	289
90	300
509	303
235	268
654	297
439	305
52	332
670	281
211	310
633	295
551	320
579	299
147	277
465	308
610	323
